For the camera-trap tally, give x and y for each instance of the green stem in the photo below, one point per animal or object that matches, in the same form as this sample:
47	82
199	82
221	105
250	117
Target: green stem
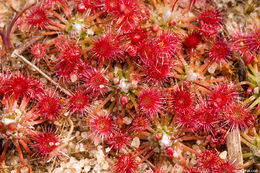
247	138
253	78
258	140
255	103
246	155
251	68
247	143
257	112
135	104
249	100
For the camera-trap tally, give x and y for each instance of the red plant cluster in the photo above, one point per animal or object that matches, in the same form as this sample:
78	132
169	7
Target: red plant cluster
247	44
19	117
209	161
221	108
144	80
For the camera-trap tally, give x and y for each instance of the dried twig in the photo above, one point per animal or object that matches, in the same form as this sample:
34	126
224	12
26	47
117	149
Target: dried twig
15	54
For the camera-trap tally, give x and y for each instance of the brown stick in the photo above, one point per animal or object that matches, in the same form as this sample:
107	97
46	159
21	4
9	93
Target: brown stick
15	54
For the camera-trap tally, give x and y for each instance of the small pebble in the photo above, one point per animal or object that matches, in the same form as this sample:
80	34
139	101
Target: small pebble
84	135
77	166
24	170
105	166
87	168
223	155
127	120
108	149
67	171
136	142
198	142
58	170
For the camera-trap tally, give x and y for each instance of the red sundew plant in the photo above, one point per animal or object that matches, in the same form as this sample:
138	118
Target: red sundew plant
80	6
57	4
140	124
119	141
111	6
38	51
14	116
219	52
226	167
147	52
91	5
131	50
70	54
124	100
253	40
240	42
223	96
208	161
126	164
129	14
186	119
79	69
158	72
4	78
107	48
247	44
138	36
46	143
239	117
95	81
102	127
69	61
159	85
61	42
78	102
48	106
64	69
210	22
37	18
150	101
19	119
211	17
19	85
192	40
206	118
218	137
168	44
181	100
